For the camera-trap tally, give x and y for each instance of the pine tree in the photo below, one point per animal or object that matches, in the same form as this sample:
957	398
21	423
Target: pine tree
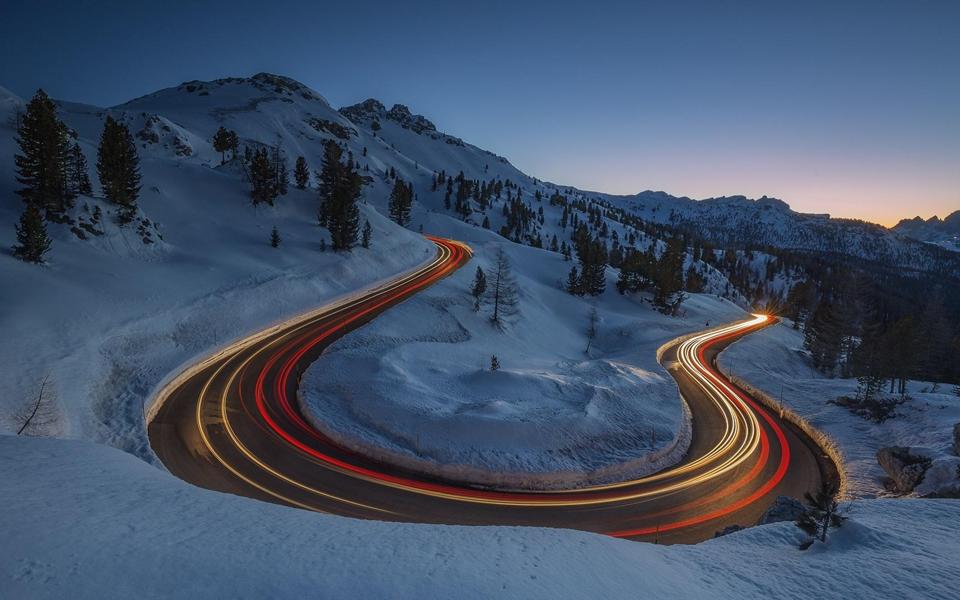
275	237
573	282
821	337
401	200
234	144
222	142
339	186
31	235
42	139
301	174
668	277
119	167
478	288
77	176
502	290
365	234
261	178
494	363
822	512
278	168
592	255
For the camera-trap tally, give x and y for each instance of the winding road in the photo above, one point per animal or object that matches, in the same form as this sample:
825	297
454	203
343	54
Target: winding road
232	423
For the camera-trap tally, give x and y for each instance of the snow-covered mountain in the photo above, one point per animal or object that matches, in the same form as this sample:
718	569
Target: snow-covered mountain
769	222
942	232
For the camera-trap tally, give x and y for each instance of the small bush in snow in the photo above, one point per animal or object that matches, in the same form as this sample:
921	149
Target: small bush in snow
821	514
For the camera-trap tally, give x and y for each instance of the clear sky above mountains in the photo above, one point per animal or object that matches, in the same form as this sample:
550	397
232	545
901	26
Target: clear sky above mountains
847	108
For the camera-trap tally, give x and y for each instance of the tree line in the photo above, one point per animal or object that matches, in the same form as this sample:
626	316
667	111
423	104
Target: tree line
52	171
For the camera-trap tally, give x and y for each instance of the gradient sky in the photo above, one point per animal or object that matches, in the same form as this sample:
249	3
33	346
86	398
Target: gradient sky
847	108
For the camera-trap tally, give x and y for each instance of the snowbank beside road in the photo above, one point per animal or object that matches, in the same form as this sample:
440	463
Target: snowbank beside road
125	529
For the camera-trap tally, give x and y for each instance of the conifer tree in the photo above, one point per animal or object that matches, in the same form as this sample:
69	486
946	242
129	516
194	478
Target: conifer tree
261	178
822	512
339	186
222	142
668	277
42	140
821	337
119	167
233	144
502	290
278	168
401	200
77	176
301	174
365	234
592	255
32	238
478	288
573	282
274	237
494	363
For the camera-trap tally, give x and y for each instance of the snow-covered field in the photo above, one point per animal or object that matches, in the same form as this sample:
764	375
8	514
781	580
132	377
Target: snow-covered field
110	317
415	386
124	529
773	360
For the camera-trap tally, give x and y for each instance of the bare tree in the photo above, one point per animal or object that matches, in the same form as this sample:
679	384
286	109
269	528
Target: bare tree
39	414
592	328
502	289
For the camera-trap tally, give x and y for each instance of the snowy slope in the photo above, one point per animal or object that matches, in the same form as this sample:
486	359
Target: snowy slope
110	316
124	529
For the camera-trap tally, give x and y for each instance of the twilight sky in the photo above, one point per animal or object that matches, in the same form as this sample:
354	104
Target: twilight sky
848	108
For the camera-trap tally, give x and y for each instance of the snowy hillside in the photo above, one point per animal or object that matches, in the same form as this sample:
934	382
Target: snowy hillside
770	222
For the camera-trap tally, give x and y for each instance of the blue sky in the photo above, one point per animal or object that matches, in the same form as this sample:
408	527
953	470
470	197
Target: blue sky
848	108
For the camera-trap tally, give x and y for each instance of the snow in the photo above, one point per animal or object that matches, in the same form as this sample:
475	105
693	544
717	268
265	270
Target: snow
924	422
415	386
111	317
124	529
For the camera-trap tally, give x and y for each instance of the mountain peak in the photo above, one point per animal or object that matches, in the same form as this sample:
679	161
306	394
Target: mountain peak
262	86
372	109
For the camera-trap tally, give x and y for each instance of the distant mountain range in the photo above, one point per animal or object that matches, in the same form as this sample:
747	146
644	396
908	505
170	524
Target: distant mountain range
942	232
177	123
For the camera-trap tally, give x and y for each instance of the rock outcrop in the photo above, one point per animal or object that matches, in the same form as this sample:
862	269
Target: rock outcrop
904	467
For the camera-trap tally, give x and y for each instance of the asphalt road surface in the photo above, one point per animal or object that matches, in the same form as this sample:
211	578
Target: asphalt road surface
232	423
